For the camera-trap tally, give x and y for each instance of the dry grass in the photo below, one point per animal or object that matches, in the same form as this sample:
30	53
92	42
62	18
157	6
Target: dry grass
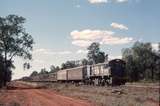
110	96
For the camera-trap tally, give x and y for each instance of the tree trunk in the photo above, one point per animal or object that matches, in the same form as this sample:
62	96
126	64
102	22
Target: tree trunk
152	72
5	69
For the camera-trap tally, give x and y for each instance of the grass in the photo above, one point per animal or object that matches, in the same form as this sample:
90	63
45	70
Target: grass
109	96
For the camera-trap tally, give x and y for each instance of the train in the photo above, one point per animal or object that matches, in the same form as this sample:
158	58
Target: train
108	73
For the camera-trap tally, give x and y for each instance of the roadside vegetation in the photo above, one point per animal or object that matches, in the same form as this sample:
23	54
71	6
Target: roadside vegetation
142	62
14	42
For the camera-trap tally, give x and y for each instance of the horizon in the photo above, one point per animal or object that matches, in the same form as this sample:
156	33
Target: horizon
62	29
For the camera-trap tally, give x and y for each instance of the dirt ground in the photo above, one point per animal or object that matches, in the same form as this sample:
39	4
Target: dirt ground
61	94
21	94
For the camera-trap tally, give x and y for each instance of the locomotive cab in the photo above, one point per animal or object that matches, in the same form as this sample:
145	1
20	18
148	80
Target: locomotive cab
117	71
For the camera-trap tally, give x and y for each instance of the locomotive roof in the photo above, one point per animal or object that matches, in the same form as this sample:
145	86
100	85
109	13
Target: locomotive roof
117	61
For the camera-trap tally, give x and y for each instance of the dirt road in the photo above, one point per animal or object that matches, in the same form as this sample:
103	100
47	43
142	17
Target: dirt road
24	95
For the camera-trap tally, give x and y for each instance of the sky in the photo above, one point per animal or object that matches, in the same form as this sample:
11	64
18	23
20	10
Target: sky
62	29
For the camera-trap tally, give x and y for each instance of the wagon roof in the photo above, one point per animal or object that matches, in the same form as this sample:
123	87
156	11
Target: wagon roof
100	64
72	68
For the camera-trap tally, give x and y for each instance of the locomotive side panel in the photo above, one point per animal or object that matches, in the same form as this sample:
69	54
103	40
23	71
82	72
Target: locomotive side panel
101	70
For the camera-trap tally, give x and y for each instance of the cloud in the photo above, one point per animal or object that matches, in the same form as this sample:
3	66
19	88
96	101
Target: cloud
64	52
77	6
114	57
88	34
39	61
85	37
97	1
106	1
155	46
119	26
50	52
81	43
82	51
121	1
110	40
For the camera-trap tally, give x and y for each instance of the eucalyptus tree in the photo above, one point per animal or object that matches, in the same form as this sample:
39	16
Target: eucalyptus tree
94	54
54	68
70	64
14	41
142	62
34	73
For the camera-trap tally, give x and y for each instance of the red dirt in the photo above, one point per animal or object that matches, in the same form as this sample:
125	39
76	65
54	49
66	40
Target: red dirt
20	95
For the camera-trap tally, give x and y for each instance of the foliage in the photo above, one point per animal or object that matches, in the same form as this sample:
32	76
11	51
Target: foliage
54	68
43	71
85	62
14	42
94	54
70	64
142	62
34	73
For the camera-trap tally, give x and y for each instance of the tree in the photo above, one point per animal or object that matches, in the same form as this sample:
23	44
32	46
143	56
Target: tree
131	67
43	71
70	64
142	62
94	54
57	68
85	62
100	57
1	71
34	73
14	41
54	68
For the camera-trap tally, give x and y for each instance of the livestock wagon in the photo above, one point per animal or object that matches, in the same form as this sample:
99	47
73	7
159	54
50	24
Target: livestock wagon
62	75
74	74
52	77
79	73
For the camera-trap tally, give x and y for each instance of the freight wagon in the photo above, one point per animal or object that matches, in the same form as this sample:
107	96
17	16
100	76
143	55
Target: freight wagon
77	74
51	77
62	75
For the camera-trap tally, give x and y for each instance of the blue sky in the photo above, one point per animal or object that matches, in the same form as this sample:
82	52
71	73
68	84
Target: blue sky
62	29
